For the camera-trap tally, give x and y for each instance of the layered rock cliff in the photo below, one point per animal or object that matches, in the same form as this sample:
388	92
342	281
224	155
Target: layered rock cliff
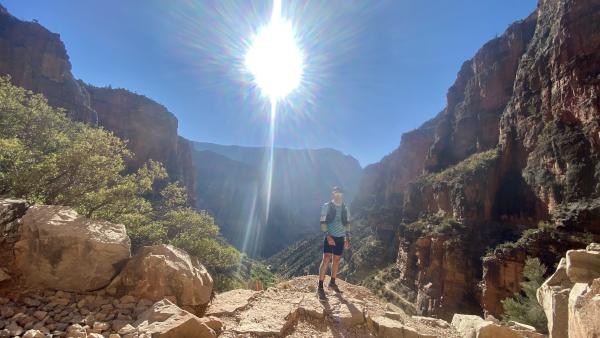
516	145
36	59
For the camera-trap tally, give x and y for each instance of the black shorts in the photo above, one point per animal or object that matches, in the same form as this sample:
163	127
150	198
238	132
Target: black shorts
336	249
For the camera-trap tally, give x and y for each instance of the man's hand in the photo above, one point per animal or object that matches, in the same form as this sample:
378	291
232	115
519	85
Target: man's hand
346	243
330	241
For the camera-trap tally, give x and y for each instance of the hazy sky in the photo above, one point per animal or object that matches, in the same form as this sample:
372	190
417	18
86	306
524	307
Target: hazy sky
374	69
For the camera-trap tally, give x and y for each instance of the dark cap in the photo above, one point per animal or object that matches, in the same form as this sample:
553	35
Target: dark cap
336	189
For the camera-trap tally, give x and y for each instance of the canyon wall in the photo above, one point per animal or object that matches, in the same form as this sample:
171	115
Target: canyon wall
36	59
513	157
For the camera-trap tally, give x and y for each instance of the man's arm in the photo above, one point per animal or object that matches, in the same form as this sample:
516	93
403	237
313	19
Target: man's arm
323	218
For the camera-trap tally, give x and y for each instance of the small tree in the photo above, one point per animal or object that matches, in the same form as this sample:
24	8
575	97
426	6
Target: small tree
523	307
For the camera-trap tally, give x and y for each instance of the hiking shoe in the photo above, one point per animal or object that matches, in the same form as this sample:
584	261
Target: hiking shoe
334	287
321	293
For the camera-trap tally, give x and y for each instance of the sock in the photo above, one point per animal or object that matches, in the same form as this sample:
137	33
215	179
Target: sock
320	284
332	281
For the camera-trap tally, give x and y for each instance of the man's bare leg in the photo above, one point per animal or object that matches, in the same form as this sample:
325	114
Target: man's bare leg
336	266
324	265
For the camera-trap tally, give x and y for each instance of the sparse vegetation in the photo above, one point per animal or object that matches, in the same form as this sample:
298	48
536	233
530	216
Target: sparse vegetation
523	307
472	164
435	224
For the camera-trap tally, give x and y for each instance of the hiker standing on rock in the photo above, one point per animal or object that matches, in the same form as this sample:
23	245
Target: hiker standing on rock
335	223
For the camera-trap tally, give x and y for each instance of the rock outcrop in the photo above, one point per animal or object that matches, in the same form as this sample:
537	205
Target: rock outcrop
165	320
517	144
36	59
292	309
61	250
571	296
163	271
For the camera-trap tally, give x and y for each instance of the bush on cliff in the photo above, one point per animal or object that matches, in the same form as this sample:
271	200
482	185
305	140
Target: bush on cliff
523	307
45	157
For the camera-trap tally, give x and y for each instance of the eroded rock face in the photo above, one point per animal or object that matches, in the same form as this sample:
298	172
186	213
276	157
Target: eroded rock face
151	131
502	277
163	271
438	268
36	59
61	250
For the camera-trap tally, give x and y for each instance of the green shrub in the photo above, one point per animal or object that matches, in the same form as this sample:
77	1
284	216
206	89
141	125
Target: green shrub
523	307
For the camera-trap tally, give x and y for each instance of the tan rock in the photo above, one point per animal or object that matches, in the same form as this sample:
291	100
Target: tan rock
593	247
212	322
163	271
470	326
14	329
583	266
435	322
165	320
76	331
34	334
553	296
230	301
584	310
126	329
272	314
59	249
389	328
4	276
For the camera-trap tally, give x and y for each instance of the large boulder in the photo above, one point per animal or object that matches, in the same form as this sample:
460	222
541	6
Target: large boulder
163	271
165	320
59	249
553	296
583	266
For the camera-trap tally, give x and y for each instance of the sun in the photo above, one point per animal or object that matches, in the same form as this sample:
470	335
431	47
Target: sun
274	59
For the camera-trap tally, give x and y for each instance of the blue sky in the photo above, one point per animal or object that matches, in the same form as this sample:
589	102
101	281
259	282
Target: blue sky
375	69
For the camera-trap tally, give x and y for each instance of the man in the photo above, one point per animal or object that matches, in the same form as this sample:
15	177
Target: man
335	223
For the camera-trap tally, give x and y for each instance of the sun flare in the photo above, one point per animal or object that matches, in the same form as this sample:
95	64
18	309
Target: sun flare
274	59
